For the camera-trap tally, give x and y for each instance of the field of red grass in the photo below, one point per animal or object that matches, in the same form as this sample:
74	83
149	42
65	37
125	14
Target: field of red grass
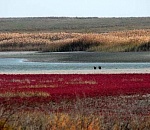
113	97
58	86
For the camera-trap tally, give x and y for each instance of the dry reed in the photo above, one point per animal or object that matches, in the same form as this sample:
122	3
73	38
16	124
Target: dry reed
135	40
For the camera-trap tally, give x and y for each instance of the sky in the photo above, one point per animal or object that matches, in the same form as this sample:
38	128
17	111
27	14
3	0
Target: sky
74	8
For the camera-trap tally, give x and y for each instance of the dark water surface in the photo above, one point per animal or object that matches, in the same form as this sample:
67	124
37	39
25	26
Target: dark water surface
91	57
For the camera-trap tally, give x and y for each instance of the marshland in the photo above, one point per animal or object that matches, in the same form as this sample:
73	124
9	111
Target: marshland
48	80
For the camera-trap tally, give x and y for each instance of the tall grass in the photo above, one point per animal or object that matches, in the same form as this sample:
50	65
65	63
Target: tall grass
135	40
106	113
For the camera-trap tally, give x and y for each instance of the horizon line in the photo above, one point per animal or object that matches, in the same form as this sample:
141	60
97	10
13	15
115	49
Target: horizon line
75	17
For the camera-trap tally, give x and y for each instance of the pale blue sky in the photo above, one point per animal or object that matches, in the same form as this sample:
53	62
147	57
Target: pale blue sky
73	8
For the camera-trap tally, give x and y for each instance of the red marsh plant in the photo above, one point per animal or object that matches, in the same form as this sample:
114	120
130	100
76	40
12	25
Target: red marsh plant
94	101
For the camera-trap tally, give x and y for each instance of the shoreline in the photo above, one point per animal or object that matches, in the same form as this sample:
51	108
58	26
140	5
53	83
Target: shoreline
64	57
112	71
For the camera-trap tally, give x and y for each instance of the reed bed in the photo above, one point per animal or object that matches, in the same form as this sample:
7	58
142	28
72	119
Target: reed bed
134	40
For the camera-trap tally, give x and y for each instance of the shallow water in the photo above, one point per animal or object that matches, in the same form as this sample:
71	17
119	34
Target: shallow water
18	65
11	62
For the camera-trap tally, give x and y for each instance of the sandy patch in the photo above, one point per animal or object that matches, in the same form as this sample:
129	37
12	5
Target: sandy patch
104	71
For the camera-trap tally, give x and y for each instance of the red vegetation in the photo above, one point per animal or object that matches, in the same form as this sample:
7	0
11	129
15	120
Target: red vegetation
59	86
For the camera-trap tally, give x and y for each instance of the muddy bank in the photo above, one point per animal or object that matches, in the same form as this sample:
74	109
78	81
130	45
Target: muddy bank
79	56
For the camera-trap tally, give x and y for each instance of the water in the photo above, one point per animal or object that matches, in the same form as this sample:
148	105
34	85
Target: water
23	65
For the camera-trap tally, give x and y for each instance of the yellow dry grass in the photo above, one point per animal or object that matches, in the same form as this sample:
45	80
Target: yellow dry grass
112	41
63	121
24	94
